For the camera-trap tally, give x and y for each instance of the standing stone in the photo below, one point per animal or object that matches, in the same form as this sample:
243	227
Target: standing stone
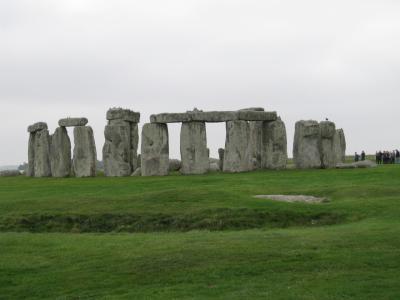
328	157
31	155
84	161
155	149
42	154
60	153
134	145
274	145
221	152
306	149
194	151
237	156
255	140
117	150
342	139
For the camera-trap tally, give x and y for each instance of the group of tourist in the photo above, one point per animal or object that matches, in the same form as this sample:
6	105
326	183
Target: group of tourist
388	157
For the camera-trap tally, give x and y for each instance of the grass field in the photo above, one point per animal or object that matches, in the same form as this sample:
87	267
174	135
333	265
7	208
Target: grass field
198	237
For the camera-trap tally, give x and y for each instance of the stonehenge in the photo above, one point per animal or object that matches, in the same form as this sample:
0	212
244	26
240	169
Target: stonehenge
121	142
255	139
155	150
318	145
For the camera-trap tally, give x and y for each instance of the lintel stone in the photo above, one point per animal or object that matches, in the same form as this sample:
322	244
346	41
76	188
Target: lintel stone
37	127
71	122
123	114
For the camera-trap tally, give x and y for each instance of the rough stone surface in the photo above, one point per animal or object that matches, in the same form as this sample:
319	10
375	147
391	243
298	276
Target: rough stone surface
117	150
237	156
155	150
84	160
327	150
134	145
9	173
253	109
37	127
221	152
138	172
255	140
123	114
31	155
174	165
139	160
359	164
194	152
214	167
274	145
42	154
342	140
60	153
213	116
306	149
249	115
71	122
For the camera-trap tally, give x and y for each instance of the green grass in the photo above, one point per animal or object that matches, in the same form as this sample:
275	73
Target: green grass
197	237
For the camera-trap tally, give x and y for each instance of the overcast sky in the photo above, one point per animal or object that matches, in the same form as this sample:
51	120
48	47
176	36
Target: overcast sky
305	59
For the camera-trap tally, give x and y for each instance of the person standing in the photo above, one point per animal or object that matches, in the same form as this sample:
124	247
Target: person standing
356	157
363	155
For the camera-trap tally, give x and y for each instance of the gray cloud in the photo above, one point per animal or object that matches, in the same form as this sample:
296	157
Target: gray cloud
305	59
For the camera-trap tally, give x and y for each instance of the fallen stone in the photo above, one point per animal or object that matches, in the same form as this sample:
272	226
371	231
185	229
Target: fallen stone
9	173
123	114
60	153
37	127
327	150
84	160
293	198
41	150
71	122
174	165
194	151
138	172
365	164
274	145
117	151
306	146
237	156
155	150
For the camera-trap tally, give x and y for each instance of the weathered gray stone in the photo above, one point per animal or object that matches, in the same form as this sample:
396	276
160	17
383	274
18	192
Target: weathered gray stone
174	165
249	115
139	160
41	160
274	145
358	164
155	150
327	150
253	109
237	156
306	146
84	161
37	127
138	172
342	143
255	140
71	122
9	173
194	151
221	152
214	167
31	155
123	114
117	156
134	145
60	153
213	116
